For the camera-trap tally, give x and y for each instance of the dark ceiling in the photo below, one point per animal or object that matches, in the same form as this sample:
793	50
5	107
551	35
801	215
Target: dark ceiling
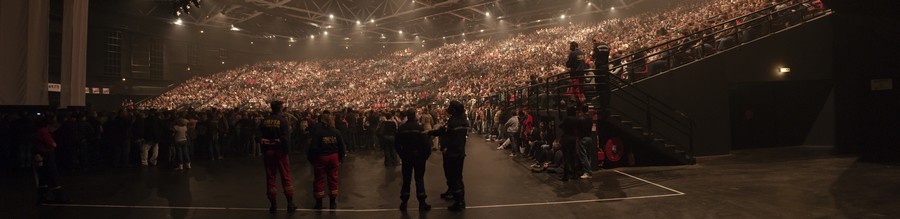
354	19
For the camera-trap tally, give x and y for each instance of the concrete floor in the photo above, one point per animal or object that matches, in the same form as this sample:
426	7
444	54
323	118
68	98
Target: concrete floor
793	182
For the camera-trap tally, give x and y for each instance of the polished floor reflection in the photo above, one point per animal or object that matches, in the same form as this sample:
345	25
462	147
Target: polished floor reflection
783	182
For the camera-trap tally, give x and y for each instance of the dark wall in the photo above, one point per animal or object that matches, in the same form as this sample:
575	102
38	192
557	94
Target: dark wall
780	113
703	90
869	120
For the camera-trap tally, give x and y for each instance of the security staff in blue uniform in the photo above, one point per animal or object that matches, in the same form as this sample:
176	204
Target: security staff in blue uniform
414	148
452	139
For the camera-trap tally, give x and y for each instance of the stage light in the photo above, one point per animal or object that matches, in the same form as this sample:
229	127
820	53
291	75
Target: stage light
783	70
400	31
251	42
482	30
312	36
292	40
326	33
346	38
188	68
223	62
562	17
612	8
589	4
372	21
357	22
444	38
201	31
123	79
464	34
331	16
487	13
234	28
290	45
179	22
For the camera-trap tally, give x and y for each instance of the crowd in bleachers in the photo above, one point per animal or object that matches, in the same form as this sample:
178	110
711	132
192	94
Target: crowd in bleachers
230	104
461	70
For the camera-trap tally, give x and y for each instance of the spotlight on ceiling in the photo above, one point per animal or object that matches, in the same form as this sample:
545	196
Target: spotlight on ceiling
562	17
487	13
400	31
178	22
331	16
233	28
357	22
612	8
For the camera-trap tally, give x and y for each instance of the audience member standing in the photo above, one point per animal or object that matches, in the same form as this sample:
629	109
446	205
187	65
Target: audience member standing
182	153
120	138
45	164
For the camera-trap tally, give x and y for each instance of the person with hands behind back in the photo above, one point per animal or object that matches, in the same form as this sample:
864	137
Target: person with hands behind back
325	154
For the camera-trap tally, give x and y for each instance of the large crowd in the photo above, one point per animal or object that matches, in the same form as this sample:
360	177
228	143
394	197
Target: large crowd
218	116
461	70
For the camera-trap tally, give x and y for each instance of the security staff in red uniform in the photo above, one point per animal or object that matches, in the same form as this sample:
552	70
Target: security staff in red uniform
326	153
274	140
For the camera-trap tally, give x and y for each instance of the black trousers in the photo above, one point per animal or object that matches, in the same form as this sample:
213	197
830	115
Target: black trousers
413	164
453	167
570	155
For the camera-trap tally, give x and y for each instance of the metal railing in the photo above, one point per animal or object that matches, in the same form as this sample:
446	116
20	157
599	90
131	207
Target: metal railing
658	119
719	37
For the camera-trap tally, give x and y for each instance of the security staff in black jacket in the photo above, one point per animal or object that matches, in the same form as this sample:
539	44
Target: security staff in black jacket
600	58
414	148
576	65
453	144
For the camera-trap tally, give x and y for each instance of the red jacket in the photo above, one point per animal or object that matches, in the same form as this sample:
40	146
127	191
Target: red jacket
44	140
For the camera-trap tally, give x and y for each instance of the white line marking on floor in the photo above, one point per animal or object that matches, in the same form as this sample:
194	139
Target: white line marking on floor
651	183
676	193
